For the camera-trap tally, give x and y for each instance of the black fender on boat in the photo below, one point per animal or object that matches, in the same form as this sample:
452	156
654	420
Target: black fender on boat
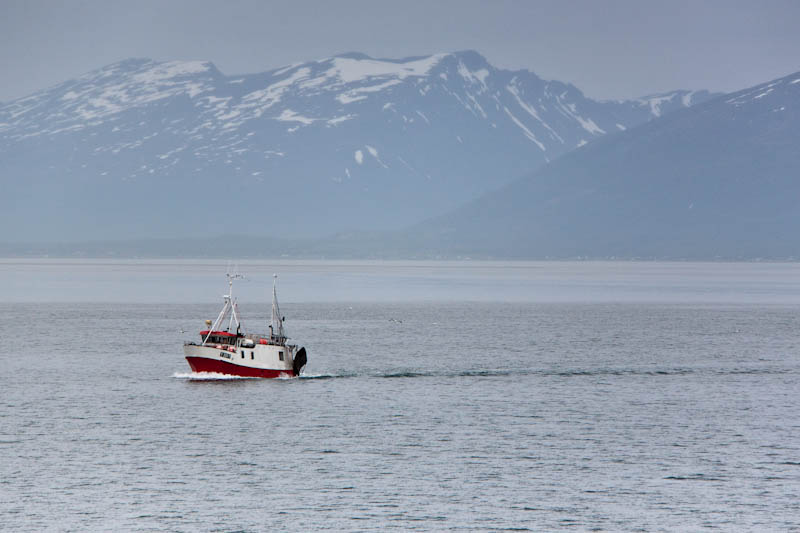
299	361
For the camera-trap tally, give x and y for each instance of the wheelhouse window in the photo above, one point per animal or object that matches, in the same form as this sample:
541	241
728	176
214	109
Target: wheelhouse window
280	356
252	355
221	339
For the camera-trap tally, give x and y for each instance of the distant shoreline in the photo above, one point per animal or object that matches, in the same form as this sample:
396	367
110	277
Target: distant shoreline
77	256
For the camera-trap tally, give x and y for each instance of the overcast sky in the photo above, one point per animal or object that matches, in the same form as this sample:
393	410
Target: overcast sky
608	49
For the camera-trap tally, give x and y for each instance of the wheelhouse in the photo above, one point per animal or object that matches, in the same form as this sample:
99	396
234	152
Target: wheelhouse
218	337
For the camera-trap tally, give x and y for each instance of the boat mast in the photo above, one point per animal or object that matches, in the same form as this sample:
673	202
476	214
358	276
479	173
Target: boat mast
230	304
276	326
229	298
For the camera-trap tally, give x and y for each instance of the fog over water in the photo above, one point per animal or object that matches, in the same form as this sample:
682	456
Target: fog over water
197	281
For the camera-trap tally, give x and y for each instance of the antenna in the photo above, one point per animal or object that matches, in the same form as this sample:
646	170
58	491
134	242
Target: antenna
231	277
277	320
229	297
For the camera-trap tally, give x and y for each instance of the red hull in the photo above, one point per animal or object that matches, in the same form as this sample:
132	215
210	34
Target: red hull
202	364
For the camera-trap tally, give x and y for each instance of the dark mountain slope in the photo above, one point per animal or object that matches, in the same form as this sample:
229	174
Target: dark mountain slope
718	180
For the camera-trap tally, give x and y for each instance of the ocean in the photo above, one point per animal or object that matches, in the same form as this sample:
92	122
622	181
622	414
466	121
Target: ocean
438	396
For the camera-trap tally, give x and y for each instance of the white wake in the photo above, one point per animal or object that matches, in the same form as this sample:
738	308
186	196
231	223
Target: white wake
207	376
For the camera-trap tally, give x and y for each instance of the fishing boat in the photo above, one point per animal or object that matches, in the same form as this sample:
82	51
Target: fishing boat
234	352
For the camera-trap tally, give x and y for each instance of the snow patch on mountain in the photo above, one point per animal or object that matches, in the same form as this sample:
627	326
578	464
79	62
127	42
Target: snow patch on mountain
271	94
514	90
527	132
290	116
374	153
338	120
361	93
349	98
570	109
759	92
171	69
477	77
657	102
350	70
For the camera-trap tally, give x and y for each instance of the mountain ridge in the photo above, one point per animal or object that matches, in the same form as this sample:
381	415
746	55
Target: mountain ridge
340	144
716	181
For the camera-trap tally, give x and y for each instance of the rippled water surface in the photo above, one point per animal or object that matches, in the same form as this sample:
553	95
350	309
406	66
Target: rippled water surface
438	396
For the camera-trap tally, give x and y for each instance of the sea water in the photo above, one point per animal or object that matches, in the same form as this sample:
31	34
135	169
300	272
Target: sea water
438	396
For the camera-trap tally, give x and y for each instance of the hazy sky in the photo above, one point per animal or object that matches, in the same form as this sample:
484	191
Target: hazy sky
609	49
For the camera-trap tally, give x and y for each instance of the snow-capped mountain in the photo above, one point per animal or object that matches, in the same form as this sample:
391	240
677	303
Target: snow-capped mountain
142	148
718	180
